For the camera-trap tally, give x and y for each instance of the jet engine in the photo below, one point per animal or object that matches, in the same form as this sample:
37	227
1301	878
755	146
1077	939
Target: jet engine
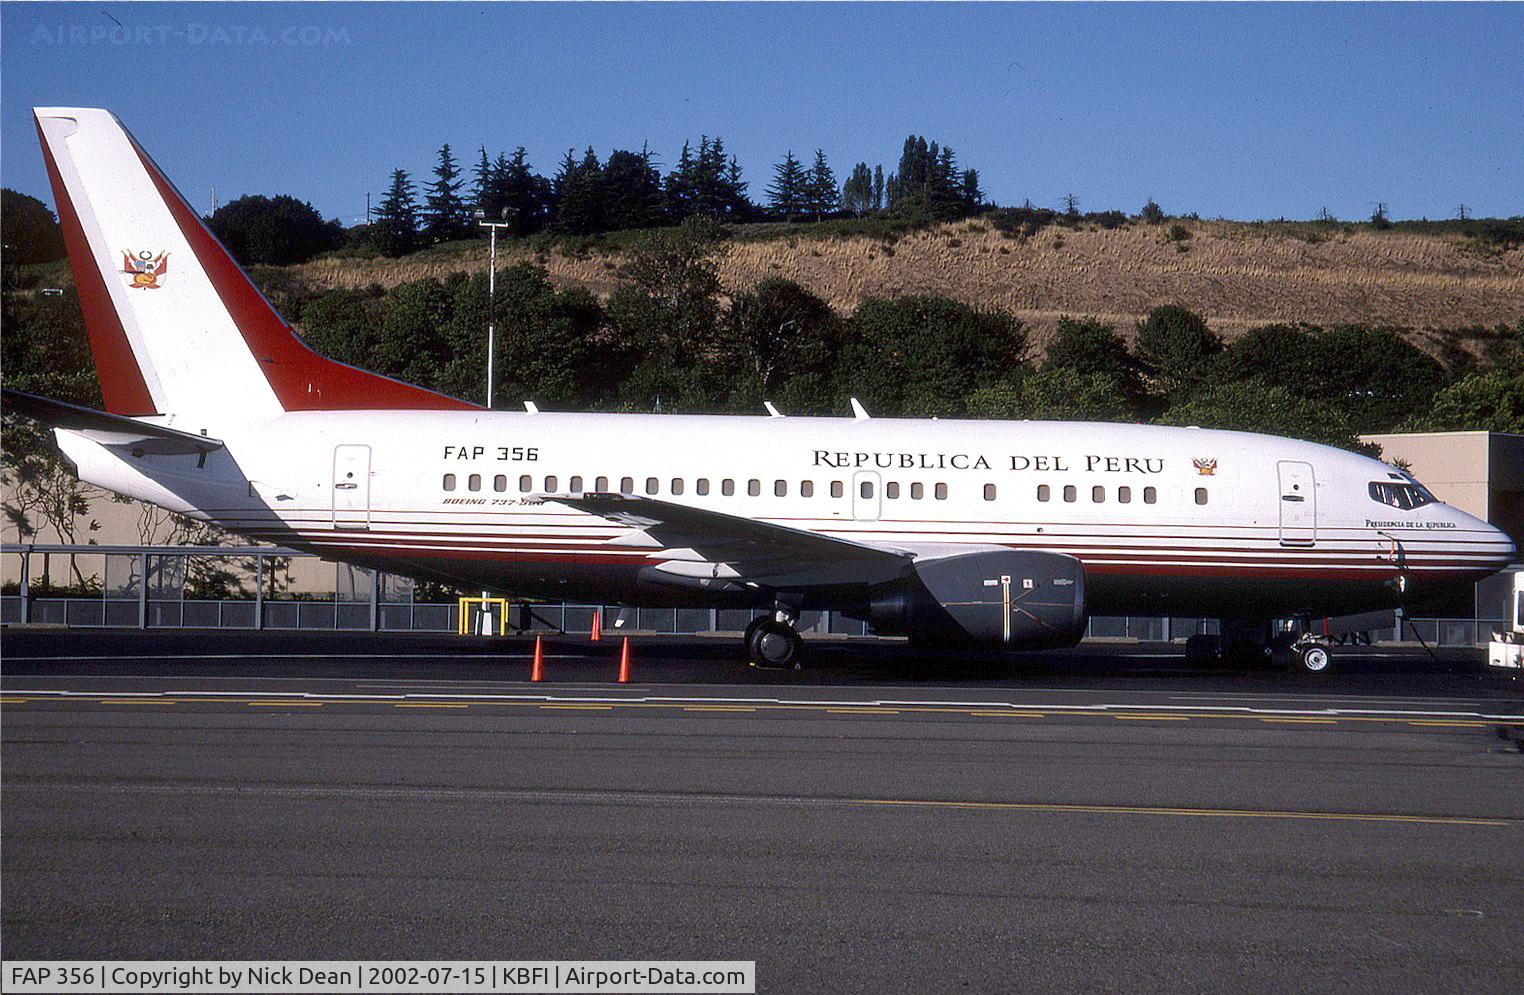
1018	599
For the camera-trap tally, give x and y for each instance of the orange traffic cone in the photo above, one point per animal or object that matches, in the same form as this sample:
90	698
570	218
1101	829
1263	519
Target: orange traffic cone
536	672
597	625
624	662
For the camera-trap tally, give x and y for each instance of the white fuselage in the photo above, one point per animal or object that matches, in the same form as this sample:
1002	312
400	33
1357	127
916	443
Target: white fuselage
1165	520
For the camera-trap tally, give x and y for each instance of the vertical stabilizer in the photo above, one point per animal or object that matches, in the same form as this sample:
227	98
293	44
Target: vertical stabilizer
175	326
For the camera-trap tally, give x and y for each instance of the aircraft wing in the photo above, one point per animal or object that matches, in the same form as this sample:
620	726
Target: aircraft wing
109	430
743	550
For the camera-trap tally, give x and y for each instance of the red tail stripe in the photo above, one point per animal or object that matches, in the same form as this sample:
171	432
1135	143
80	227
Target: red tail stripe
302	380
122	385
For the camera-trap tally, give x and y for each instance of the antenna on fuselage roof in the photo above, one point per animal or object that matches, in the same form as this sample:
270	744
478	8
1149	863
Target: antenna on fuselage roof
772	412
859	412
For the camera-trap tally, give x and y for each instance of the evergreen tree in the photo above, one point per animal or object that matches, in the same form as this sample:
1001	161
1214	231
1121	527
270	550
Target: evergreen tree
971	195
447	215
788	191
878	187
580	210
396	224
735	191
481	184
632	191
821	195
681	186
525	197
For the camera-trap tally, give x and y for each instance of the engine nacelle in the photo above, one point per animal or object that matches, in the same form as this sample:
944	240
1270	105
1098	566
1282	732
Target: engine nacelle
1020	599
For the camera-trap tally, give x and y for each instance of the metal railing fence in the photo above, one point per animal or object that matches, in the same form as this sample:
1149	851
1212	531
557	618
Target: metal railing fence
148	589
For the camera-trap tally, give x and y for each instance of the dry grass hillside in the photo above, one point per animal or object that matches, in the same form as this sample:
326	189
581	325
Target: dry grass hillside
1237	275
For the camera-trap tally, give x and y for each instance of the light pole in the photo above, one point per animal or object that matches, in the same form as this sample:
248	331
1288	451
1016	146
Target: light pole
493	226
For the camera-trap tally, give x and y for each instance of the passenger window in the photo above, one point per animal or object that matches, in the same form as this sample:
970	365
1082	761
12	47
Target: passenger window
806	488
892	489
627	485
500	483
989	492
601	485
677	485
1201	495
652	485
1044	492
474	482
550	484
941	492
754	487
1071	494
574	485
526	484
836	489
727	487
1098	494
917	491
1124	495
780	488
701	486
1150	496
449	482
865	488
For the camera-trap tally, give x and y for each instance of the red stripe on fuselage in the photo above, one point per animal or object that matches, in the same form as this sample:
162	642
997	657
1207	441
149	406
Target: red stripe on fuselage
123	388
302	379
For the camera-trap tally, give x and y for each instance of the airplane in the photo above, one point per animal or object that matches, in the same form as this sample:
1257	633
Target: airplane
997	534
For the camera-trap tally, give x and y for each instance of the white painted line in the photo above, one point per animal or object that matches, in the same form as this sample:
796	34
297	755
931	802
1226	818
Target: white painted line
907	704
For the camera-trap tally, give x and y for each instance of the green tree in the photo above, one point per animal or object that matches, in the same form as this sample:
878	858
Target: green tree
1376	375
788	194
1087	346
29	230
857	192
580	197
820	194
1056	393
396	223
1280	354
1261	406
632	191
447	216
1480	402
1173	345
1152	213
481	186
924	355
779	331
273	231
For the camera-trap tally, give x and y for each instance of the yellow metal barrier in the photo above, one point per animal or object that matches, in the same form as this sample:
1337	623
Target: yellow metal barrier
464	613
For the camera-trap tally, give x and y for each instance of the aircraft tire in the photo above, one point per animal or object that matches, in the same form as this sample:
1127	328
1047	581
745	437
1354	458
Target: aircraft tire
775	645
751	630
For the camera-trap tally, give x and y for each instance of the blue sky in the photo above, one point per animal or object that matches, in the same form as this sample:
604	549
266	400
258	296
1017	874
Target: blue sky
1243	111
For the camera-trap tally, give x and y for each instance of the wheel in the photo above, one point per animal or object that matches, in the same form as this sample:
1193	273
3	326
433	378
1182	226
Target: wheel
1314	659
775	644
751	630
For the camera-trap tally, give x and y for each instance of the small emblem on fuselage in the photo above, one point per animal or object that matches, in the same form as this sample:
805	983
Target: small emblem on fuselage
145	269
1205	467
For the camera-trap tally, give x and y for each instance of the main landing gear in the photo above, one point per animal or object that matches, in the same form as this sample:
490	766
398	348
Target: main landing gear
773	641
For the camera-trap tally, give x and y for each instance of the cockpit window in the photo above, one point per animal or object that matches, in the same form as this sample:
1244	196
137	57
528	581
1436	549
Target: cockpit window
1404	496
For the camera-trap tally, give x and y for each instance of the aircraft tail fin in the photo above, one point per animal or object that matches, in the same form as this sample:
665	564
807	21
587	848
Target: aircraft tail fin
175	326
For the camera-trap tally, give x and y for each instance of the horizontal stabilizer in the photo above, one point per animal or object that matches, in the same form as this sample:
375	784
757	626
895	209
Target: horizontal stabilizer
109	430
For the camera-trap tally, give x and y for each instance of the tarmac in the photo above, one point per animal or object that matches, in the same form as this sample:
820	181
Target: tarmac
884	821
